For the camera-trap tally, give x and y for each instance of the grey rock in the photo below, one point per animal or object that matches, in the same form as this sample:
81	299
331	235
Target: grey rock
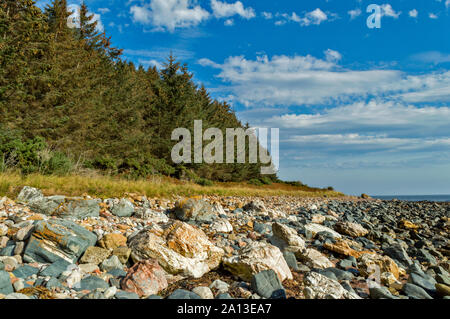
443	279
399	254
381	293
16	296
197	210
266	283
341	274
116	272
415	292
78	209
55	269
92	283
58	239
224	296
291	260
25	271
53	283
5	283
124	208
29	195
154	297
183	294
112	262
424	281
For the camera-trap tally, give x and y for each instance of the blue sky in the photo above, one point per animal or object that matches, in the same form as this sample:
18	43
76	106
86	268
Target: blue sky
363	110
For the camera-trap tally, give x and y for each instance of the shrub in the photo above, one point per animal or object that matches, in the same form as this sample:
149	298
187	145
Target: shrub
255	182
204	182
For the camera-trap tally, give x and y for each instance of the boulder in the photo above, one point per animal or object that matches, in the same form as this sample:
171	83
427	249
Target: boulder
314	259
266	283
314	229
222	226
256	257
286	238
58	239
372	264
195	209
321	287
29	195
5	283
95	255
124	208
113	241
145	278
178	247
183	294
351	229
203	292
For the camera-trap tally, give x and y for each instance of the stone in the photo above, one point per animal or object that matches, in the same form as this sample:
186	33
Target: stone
3	230
342	248
256	257
351	229
415	292
321	287
88	268
92	283
256	206
19	248
112	241
95	255
53	283
373	263
443	279
318	219
126	295
314	229
222	226
381	293
183	294
47	205
220	286
117	272
25	271
314	259
291	260
5	283
78	209
55	269
145	278
195	209
58	239
399	255
266	283
124	208
123	253
110	292
224	296
424	281
285	237
341	274
154	297
179	248
112	262
29	195
441	290
203	292
405	224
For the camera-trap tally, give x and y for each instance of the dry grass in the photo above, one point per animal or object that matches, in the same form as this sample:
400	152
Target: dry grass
163	187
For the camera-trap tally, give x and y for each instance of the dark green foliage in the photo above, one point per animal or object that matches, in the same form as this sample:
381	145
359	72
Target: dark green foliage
256	182
70	88
204	182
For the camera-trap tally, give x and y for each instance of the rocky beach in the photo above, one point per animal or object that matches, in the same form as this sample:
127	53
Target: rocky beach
211	247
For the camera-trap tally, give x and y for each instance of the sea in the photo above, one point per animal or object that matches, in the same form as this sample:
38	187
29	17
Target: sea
416	198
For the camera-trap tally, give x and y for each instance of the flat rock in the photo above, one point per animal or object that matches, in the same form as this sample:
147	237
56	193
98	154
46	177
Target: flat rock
256	257
266	283
58	239
145	278
321	287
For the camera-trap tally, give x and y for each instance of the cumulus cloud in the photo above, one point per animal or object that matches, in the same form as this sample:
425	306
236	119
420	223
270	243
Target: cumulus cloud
315	17
433	16
226	10
413	13
169	14
388	11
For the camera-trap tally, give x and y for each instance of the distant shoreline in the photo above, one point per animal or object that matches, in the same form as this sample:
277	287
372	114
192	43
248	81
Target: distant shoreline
416	198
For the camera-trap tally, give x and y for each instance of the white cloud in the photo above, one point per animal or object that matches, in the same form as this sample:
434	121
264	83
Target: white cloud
306	80
432	16
269	15
354	13
229	22
169	14
226	10
434	57
388	11
314	17
447	4
414	13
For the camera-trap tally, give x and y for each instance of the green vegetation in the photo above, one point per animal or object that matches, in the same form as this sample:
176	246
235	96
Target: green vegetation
79	106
